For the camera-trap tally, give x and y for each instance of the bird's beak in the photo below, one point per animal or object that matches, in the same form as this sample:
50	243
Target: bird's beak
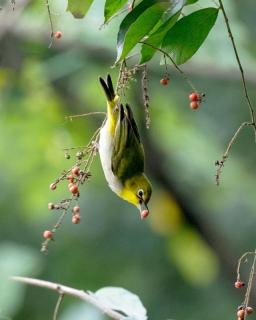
144	212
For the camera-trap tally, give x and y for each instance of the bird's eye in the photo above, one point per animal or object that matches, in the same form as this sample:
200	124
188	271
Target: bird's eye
140	193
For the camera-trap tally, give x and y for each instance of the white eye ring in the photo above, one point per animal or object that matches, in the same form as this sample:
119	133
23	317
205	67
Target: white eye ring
140	193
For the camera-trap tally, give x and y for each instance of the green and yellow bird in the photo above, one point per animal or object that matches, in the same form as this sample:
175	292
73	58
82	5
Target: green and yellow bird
122	154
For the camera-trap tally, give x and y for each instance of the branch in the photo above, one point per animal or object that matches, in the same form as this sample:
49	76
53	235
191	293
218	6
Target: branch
64	290
240	67
220	164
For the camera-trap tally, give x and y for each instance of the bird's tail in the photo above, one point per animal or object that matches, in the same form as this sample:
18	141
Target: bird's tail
108	89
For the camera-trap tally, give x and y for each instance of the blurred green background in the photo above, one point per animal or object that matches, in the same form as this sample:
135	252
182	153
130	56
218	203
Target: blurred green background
181	261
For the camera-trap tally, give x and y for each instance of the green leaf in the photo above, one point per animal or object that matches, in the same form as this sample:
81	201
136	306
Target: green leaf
79	8
188	34
122	300
155	40
138	23
190	2
111	7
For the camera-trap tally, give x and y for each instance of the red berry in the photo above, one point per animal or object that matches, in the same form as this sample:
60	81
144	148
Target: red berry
194	96
53	186
194	105
239	284
57	34
144	214
164	81
76	209
76	219
249	310
240	314
73	189
47	234
75	171
51	206
70	178
70	185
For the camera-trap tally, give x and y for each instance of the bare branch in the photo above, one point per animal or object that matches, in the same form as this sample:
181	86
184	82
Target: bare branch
64	290
57	307
240	67
85	115
220	164
51	23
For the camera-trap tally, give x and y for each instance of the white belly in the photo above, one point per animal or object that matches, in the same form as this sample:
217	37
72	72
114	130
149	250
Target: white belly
105	151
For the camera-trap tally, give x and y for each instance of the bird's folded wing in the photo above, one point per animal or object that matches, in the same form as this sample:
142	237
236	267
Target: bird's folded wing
128	154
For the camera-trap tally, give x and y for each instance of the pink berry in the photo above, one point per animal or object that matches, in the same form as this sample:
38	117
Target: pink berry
73	189
47	234
75	171
57	34
164	81
249	310
70	185
144	214
76	219
194	105
239	284
194	96
53	186
76	209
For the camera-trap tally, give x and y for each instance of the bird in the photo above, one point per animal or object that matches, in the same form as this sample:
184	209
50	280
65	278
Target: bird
122	153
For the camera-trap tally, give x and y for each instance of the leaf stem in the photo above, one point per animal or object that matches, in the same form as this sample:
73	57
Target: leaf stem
183	74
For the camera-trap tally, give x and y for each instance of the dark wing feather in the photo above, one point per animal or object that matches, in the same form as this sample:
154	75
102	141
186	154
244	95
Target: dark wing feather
132	121
108	88
128	154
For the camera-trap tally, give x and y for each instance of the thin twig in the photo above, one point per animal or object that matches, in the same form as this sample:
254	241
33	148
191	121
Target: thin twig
57	307
220	164
84	115
183	74
240	262
251	109
80	294
249	286
144	83
51	23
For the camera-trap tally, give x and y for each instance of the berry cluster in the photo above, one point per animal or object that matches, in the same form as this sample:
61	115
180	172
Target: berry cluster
74	177
243	310
196	99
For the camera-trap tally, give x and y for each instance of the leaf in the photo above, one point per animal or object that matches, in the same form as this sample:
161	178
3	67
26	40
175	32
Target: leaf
79	8
190	2
122	300
138	23
155	40
188	34
111	7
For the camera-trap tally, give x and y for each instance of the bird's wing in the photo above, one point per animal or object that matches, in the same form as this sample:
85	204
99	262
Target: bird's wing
128	154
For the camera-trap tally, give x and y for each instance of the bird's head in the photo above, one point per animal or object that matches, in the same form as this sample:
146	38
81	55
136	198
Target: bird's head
137	190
